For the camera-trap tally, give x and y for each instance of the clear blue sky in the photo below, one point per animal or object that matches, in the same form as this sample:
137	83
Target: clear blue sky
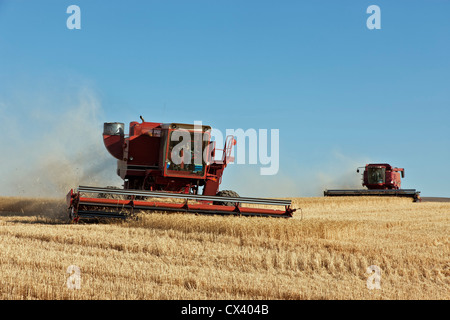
340	94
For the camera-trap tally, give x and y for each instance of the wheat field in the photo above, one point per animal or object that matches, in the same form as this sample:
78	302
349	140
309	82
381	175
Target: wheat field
321	253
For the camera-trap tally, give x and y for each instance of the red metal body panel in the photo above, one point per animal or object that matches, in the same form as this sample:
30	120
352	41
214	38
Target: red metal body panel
114	145
387	177
142	155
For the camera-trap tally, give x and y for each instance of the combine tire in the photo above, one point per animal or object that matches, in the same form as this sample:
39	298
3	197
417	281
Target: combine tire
226	193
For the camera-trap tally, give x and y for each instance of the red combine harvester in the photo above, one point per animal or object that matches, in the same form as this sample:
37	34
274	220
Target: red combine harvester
381	179
162	162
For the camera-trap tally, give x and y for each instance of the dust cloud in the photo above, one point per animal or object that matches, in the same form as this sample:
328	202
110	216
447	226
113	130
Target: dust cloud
338	171
341	173
48	149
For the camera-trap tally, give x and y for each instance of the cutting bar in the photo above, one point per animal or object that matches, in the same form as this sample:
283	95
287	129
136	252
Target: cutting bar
85	206
162	194
412	193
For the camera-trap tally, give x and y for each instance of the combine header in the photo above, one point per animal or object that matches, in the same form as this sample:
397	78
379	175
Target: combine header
163	167
381	179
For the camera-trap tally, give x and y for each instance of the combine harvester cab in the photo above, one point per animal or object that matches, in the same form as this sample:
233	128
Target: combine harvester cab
381	179
164	166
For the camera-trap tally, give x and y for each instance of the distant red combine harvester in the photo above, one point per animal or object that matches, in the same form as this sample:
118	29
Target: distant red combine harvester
172	160
381	179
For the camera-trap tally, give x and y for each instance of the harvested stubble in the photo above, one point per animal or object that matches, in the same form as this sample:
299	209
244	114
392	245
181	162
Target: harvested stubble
184	256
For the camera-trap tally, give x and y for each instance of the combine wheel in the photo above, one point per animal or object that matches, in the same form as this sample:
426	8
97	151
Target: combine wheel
226	193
